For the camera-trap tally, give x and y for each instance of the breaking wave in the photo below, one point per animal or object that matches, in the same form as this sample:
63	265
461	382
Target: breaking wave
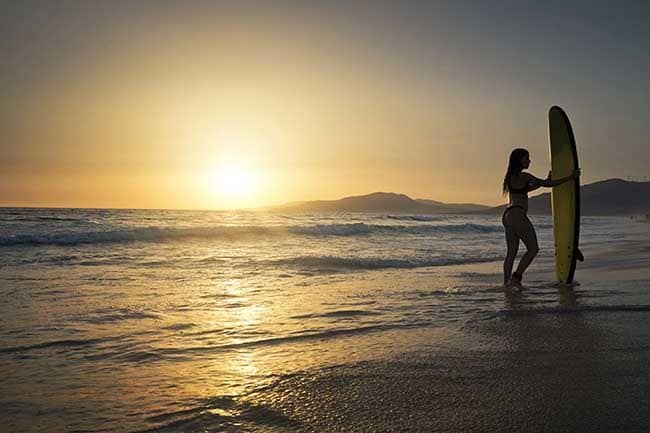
362	263
161	234
423	218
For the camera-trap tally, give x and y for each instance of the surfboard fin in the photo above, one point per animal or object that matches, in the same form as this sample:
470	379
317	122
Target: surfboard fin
579	255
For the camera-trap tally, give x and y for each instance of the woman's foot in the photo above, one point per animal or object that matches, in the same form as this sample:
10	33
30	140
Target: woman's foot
515	282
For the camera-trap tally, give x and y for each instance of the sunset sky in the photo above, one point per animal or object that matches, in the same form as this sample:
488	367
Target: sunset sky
223	104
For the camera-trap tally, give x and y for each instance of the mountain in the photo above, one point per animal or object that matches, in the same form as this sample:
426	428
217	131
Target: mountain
379	202
606	197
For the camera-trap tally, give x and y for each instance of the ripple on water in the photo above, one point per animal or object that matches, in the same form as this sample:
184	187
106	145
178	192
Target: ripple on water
338	313
115	314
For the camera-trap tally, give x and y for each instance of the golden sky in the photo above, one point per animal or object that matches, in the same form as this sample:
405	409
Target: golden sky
237	104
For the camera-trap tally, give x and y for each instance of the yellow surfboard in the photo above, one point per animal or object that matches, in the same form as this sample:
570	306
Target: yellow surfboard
565	198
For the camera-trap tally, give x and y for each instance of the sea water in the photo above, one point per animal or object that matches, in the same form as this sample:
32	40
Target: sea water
128	320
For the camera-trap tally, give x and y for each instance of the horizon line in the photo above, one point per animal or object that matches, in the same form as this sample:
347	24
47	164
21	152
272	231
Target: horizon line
261	208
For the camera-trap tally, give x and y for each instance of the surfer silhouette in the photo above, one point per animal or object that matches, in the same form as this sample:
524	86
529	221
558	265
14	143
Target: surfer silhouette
518	183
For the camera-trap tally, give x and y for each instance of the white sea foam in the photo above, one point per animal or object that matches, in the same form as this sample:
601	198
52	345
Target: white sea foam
415	217
343	263
158	234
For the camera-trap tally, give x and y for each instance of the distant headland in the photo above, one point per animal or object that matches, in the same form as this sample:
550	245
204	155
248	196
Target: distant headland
606	197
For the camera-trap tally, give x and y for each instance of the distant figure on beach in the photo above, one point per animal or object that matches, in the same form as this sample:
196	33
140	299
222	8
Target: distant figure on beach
518	183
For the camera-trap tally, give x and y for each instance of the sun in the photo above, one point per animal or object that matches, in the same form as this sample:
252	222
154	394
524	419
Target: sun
233	181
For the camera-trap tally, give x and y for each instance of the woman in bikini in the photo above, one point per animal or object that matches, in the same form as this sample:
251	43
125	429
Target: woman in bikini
517	183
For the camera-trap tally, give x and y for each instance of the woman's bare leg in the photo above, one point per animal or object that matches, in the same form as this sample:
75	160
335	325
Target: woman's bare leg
512	242
513	245
526	232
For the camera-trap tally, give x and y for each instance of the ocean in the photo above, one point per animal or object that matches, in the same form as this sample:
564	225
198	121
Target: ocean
164	320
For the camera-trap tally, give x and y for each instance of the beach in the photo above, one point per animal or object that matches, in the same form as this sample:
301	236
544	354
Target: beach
544	372
132	321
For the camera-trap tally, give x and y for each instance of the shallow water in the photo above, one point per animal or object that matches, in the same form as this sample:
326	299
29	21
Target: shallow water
118	320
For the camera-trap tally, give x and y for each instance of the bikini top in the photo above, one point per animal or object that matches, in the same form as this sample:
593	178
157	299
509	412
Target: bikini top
513	190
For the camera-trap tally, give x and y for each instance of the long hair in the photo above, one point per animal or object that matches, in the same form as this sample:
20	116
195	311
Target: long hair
514	166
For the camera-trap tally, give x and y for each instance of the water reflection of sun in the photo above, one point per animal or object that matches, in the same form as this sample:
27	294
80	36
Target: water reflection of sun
242	363
244	316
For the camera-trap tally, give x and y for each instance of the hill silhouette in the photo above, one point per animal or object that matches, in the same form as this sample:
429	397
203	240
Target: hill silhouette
380	202
606	197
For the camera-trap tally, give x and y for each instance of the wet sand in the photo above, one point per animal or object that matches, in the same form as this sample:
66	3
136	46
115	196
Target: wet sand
586	371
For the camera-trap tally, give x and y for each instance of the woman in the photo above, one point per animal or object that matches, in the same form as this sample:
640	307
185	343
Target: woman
518	183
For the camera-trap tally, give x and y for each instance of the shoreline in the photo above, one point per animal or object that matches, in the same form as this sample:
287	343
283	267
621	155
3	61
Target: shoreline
540	372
